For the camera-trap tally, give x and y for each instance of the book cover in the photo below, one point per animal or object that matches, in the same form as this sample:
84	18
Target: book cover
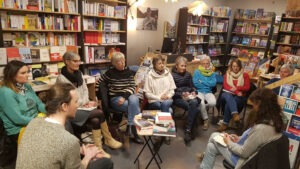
168	130
33	5
19	39
3	56
99	54
294	125
33	38
32	21
290	106
142	123
12	54
293	147
36	70
259	13
44	55
149	114
286	90
25	55
55	53
35	54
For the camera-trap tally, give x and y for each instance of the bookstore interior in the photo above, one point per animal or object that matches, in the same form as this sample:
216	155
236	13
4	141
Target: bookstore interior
262	35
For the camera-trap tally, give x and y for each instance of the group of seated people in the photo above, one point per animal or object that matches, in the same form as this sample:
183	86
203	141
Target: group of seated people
48	142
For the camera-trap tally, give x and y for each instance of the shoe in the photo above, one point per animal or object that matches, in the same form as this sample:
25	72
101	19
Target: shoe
97	137
236	117
205	125
200	156
108	139
132	134
187	137
222	127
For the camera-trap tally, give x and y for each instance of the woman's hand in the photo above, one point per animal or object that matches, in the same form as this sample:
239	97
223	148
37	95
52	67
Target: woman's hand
233	89
234	138
164	97
121	101
226	138
90	151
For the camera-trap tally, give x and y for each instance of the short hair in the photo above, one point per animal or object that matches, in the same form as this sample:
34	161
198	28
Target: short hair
237	61
10	71
289	67
180	59
58	94
116	56
69	56
269	111
202	57
156	59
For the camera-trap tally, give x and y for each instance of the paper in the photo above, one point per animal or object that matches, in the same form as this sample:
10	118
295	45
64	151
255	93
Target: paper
219	139
86	108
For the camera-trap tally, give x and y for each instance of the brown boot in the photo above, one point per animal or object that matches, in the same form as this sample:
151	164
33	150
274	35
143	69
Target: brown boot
108	139
222	127
236	117
205	125
97	137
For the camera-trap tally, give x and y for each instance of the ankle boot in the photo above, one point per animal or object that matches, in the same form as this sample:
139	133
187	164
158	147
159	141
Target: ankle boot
97	137
187	136
108	139
205	125
132	133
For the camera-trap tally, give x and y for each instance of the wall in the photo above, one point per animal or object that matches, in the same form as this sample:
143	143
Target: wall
138	41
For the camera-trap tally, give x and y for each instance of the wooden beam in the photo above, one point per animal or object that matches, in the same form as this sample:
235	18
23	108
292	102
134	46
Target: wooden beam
288	80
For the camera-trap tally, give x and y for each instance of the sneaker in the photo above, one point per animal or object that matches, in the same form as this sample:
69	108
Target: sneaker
205	125
222	127
200	156
86	137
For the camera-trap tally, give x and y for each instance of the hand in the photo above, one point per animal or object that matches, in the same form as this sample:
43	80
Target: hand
121	101
226	138
185	94
234	138
164	97
194	94
240	94
233	89
90	151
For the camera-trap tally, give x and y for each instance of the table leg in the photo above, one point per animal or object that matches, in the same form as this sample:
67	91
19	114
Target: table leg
155	153
146	143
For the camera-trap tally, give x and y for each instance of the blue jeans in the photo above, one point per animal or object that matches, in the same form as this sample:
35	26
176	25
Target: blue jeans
163	106
191	106
213	149
130	106
233	104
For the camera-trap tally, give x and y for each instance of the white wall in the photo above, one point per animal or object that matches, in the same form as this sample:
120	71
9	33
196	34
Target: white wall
138	41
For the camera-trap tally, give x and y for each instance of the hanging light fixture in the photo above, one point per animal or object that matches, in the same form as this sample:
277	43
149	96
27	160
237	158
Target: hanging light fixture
197	8
171	1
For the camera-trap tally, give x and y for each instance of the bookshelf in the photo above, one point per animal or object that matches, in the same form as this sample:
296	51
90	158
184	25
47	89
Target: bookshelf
193	32
104	30
39	33
287	45
250	37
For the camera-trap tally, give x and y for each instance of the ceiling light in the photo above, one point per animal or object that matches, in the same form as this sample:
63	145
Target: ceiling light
198	8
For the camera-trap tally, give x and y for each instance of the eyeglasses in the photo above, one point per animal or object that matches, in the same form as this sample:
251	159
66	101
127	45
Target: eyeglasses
76	61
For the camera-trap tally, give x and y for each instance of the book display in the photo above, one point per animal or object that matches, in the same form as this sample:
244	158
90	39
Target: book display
104	31
39	33
251	34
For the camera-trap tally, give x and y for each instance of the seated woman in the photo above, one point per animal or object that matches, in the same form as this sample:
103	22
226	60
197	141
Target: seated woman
266	126
121	89
235	85
46	143
204	80
286	70
70	73
18	102
185	95
159	86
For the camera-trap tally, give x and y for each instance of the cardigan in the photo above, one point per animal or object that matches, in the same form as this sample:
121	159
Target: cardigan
48	145
242	89
17	110
156	85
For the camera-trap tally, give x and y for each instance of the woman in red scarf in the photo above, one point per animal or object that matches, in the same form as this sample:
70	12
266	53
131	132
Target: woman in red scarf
235	85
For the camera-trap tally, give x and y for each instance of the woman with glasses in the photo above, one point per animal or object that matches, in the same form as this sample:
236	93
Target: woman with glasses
204	80
70	73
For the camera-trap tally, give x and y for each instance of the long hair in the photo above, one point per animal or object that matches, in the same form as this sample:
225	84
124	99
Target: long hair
237	61
269	111
57	95
10	71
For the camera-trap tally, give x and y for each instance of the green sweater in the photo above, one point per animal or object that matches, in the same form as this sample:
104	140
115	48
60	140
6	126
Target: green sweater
17	110
47	145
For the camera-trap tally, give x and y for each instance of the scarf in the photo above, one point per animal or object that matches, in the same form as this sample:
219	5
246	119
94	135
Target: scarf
21	87
75	78
205	72
235	76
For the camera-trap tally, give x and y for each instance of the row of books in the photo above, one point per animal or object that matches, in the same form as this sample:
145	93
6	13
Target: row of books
289	39
191	49
41	21
250	41
34	55
31	39
252	28
100	24
214	50
67	6
95	54
197	20
96	71
290	26
218	38
288	50
101	9
253	14
219	26
95	38
289	97
195	39
196	30
221	11
246	53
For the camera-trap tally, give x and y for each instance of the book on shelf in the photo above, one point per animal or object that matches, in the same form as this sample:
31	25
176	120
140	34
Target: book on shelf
99	54
245	41
12	53
294	125
235	51
286	90
55	53
3	56
35	54
290	106
25	55
259	13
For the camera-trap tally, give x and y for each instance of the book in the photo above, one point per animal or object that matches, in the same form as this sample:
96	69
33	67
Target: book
44	55
163	118
149	114
55	53
290	106
35	54
36	70
294	125
25	55
220	139
99	54
286	90
3	56
12	54
142	123
293	147
167	130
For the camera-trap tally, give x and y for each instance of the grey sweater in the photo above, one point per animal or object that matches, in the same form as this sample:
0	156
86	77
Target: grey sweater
258	136
46	145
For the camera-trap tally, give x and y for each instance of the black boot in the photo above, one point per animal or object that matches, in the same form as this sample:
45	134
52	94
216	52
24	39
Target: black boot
132	134
187	137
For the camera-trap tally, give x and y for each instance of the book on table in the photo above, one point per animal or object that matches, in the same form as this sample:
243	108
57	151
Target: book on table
149	114
163	118
143	126
167	130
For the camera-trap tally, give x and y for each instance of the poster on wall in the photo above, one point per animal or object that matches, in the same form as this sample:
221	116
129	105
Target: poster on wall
147	18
